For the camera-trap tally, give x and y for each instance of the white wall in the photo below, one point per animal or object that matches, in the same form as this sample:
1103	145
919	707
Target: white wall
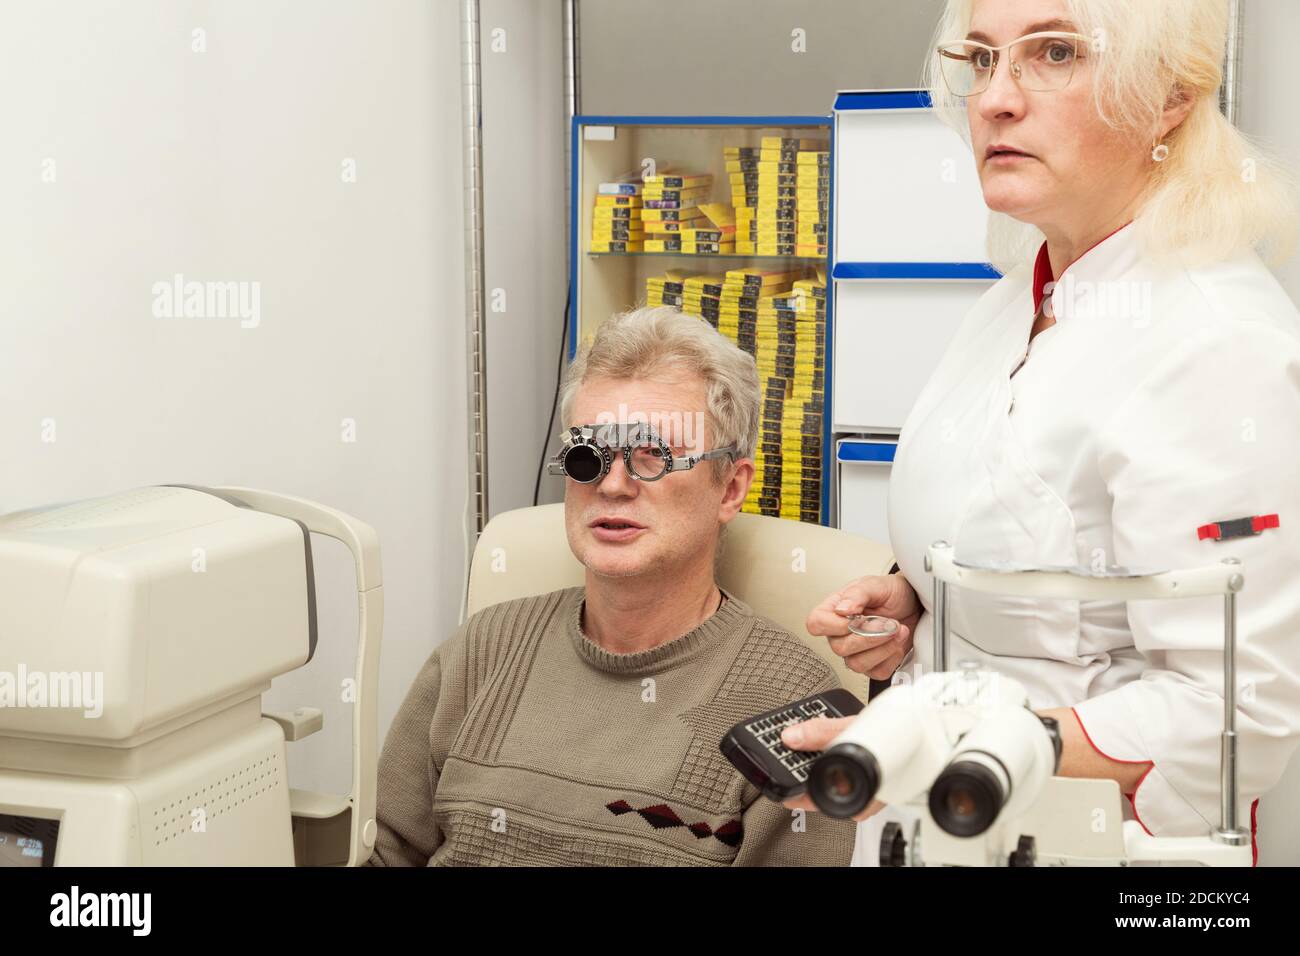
227	165
1271	114
773	57
523	209
1269	111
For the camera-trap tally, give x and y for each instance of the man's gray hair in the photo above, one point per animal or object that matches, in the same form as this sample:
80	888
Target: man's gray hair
659	341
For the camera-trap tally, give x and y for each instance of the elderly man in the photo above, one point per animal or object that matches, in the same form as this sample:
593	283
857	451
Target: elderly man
582	726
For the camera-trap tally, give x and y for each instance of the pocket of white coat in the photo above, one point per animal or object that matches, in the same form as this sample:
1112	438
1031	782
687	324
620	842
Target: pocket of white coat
1014	517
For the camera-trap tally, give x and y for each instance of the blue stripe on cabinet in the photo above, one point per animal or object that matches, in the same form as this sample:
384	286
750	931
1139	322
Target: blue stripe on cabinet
914	270
866	451
883	100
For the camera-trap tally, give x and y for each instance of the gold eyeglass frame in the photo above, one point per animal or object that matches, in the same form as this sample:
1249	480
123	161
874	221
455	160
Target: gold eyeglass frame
1080	42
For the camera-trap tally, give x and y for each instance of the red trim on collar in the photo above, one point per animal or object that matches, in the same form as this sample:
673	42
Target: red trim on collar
1042	275
1043	266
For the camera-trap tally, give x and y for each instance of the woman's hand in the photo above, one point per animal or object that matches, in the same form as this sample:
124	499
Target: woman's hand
816	734
885	595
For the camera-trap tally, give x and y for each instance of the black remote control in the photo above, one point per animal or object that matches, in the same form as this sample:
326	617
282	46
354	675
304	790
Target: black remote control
754	746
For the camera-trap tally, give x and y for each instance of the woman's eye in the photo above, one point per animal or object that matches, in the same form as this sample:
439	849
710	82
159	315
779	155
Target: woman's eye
1060	53
982	61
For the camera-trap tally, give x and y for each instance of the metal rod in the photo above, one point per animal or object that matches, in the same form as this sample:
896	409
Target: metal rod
572	108
1229	831
1230	89
475	290
940	615
1228	762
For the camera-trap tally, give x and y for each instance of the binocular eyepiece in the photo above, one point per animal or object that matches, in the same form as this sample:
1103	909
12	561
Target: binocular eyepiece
908	741
965	798
843	780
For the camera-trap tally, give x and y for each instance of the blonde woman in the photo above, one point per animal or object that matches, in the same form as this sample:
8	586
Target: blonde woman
1129	386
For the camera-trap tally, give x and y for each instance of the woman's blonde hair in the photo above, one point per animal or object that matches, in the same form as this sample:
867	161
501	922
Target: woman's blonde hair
1216	193
659	342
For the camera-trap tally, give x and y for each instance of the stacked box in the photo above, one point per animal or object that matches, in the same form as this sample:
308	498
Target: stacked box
738	303
742	173
712	234
769	454
801	475
702	296
616	224
775	227
812	202
666	289
746	295
672	204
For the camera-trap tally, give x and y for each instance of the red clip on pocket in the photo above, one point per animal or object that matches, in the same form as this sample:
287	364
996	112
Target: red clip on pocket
1236	527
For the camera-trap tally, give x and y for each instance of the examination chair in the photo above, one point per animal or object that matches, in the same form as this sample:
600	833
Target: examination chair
759	557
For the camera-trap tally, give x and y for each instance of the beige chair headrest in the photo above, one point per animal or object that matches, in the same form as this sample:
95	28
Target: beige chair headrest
780	568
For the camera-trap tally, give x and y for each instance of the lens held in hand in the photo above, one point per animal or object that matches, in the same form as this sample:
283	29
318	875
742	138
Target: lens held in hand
869	625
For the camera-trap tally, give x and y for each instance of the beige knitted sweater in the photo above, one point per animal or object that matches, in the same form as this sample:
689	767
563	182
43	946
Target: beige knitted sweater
523	742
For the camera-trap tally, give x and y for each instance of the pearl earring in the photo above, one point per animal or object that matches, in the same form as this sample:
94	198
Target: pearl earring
1160	153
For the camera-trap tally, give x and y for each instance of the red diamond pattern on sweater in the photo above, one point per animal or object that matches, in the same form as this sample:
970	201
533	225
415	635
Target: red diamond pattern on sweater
661	816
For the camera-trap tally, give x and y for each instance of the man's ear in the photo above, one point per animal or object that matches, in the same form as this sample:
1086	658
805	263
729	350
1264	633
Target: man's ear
735	490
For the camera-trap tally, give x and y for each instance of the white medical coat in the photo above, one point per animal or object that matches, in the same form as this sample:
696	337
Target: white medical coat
1163	399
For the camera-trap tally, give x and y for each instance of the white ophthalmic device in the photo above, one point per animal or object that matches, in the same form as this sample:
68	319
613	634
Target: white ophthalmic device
138	632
